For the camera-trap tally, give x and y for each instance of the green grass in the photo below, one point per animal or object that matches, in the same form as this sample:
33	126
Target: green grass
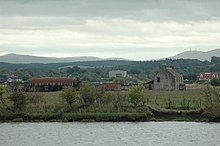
190	99
176	99
195	98
52	106
49	103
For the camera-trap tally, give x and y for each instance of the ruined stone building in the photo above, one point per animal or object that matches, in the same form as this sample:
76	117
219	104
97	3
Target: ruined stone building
168	79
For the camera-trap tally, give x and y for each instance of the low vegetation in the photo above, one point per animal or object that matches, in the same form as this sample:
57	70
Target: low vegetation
92	103
215	82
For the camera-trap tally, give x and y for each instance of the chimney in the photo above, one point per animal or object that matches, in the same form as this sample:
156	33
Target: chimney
164	66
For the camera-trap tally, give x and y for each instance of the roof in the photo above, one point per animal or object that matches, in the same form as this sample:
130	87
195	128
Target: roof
53	80
111	85
208	75
150	82
173	72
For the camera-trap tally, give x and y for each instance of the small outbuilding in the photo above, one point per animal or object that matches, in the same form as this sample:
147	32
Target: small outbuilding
149	85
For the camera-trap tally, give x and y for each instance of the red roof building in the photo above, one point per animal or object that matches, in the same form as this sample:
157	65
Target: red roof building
52	84
53	81
112	86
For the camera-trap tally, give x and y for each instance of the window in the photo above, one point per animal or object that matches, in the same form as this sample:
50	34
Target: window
118	75
181	79
158	79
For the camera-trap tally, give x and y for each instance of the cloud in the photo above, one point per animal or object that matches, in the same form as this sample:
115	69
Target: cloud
145	10
107	28
121	36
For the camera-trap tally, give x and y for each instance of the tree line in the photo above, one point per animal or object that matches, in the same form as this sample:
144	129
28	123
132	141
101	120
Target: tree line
97	70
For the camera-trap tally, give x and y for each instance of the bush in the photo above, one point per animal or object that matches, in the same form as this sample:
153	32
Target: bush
3	90
136	96
35	97
19	101
87	93
215	82
213	110
70	95
8	116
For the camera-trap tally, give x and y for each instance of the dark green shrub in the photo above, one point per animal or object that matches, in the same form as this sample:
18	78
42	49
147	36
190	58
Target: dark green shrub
213	110
19	100
215	82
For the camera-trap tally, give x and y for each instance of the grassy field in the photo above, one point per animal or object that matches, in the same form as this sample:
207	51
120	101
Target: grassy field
170	105
192	98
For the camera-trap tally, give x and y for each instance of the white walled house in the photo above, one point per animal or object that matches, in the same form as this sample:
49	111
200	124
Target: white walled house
117	73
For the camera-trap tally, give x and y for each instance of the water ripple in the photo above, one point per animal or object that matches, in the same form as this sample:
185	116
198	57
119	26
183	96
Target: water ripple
110	134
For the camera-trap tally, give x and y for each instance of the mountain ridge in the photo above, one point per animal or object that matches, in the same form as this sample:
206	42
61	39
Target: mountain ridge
200	55
26	59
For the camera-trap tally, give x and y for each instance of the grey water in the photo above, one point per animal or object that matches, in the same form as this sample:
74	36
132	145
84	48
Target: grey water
110	134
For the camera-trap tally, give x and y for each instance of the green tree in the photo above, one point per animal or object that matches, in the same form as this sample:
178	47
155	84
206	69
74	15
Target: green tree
136	96
99	94
3	90
70	95
87	94
26	76
19	101
74	69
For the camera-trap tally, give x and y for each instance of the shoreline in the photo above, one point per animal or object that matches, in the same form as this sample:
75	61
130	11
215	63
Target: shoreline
181	116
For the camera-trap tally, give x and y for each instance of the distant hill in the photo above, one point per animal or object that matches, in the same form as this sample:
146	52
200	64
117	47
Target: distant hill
26	59
198	55
99	69
49	66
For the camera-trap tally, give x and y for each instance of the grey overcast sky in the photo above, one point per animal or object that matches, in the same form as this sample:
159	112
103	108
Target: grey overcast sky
133	29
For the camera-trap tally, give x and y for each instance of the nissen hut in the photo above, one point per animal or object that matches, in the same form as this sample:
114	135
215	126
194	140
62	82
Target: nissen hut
52	84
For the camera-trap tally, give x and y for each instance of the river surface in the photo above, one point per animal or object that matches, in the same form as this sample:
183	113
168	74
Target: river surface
110	134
